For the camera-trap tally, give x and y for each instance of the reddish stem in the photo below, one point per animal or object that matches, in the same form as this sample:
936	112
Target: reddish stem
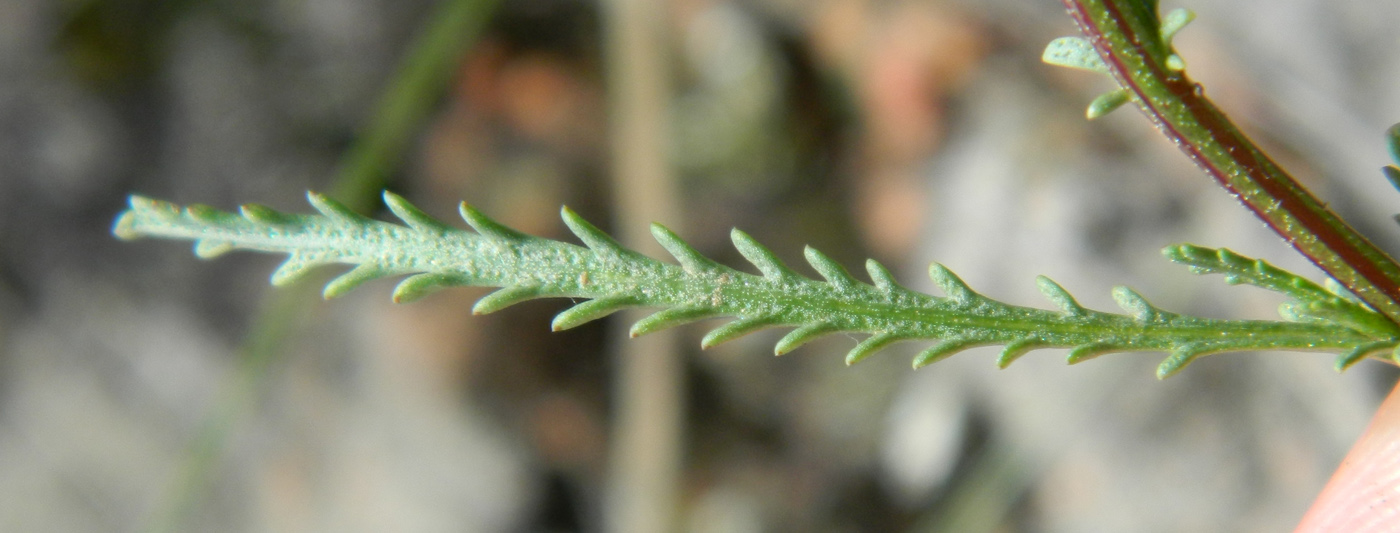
1125	34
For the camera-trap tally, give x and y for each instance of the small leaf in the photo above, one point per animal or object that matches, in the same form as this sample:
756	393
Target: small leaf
1059	296
881	276
590	310
951	285
1015	350
829	269
1137	306
593	237
1175	20
1392	174
802	335
943	350
1107	102
210	248
354	278
209	215
490	228
760	256
736	329
1355	355
670	318
1178	360
1074	52
1175	63
413	288
506	297
125	226
333	209
291	270
262	214
414	217
160	208
691	260
869	346
1086	352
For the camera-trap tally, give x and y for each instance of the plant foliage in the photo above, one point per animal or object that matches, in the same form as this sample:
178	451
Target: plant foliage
434	256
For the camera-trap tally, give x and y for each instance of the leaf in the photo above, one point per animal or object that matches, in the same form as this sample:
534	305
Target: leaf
606	277
1107	102
1074	52
761	257
591	310
736	329
669	318
834	273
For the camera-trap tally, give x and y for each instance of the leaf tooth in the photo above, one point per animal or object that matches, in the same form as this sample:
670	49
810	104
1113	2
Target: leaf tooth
736	329
768	264
1059	296
153	206
1392	137
590	310
1074	52
1179	358
125	226
1107	102
1136	305
417	286
354	278
1356	354
1175	63
294	268
209	215
1392	174
668	318
414	217
591	236
1190	254
1173	22
264	215
803	335
506	297
951	285
211	248
488	227
1016	349
1264	269
691	260
334	210
881	277
833	272
1085	352
870	345
943	350
1338	290
1234	261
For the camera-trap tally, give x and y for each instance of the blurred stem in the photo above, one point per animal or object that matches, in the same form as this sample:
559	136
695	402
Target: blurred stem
645	459
982	499
275	322
413	93
421	79
1126	35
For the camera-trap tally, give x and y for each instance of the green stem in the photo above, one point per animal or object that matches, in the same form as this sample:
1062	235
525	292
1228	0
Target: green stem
1125	34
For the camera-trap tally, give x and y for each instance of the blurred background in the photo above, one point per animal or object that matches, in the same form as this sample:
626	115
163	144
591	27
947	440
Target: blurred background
142	389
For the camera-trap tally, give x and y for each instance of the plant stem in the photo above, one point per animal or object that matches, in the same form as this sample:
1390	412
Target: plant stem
1125	33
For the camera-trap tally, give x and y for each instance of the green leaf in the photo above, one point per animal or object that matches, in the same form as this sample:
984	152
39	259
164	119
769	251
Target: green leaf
608	278
1074	52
